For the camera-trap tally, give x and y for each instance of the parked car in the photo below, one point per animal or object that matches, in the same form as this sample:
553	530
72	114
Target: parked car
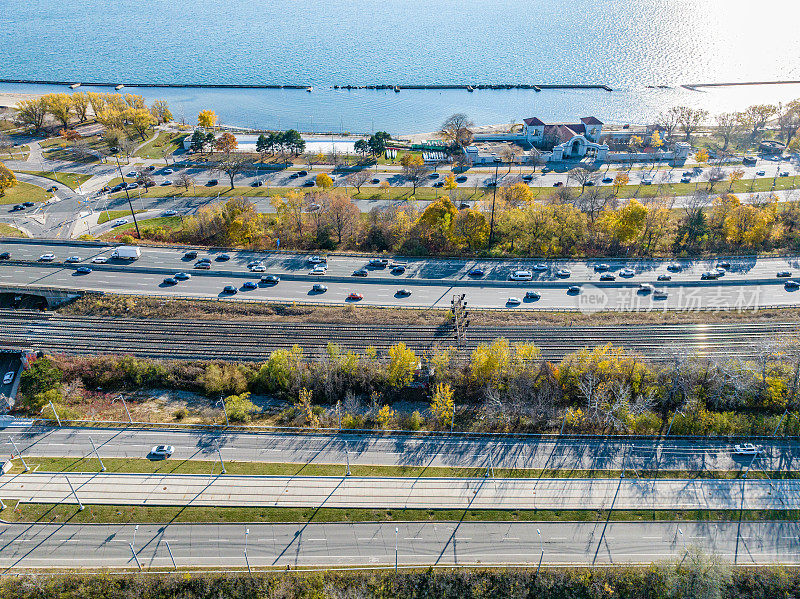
28	204
558	184
608	180
476	272
52	189
398	269
120	221
132	186
212	182
761	173
166	182
685	180
17	208
257	183
461	178
170	213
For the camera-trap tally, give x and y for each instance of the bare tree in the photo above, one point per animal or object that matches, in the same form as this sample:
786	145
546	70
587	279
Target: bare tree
457	129
185	180
789	120
688	119
232	165
358	178
727	126
667	122
715	175
582	176
144	178
5	143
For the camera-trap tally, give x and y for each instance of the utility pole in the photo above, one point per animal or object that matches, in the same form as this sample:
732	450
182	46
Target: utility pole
94	449
19	455
246	560
127	195
458	306
169	549
494	196
224	409
219	453
56	413
347	456
124	405
80	505
396	530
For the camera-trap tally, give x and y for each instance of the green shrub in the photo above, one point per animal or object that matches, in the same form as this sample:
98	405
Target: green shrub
42	376
240	408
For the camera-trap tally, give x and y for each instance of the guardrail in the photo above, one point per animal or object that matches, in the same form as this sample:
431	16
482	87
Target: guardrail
244	428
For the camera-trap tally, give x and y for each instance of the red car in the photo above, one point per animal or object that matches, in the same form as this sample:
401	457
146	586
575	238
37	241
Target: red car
354	297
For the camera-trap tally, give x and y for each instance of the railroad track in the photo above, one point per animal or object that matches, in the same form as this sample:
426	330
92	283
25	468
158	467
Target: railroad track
253	341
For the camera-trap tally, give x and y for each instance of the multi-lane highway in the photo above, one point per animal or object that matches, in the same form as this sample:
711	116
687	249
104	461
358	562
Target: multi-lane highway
373	543
455	451
748	282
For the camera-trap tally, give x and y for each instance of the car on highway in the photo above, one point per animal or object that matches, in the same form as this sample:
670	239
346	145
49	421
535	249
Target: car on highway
521	275
646	288
294	175
574	290
439	184
558	184
601	267
190	255
229	289
120	221
270	280
166	182
527	177
685	180
532	295
563	273
461	178
361	272
5	256
302	173
784	173
403	292
674	267
607	276
257	183
170	281
319	288
375	181
203	266
513	301
627	272
476	272
354	297
170	213
398	269
182	276
258	268
47	257
746	449
319	270
660	294
463	206
73	259
99	260
222	258
378	262
723	264
250	285
710	275
539	267
317	259
206	259
8	377
784	273
791	284
309	183
647	181
663	277
162	451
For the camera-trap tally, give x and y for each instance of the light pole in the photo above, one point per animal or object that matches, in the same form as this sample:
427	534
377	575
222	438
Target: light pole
347	456
94	449
135	530
219	453
128	196
494	195
246	560
124	405
683	538
19	455
221	402
395	549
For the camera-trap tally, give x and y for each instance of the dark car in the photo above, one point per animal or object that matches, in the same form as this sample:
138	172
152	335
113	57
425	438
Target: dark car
52	189
222	258
250	285
256	184
527	177
558	184
270	279
723	264
17	207
5	256
403	292
361	272
398	269
375	181
477	272
710	275
294	175
784	273
607	276
229	289
439	184
170	281
608	180
83	270
461	178
532	295
190	255
302	173
574	290
664	277
28	204
212	182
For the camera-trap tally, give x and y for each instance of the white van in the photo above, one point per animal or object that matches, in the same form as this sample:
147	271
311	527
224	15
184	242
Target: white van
126	252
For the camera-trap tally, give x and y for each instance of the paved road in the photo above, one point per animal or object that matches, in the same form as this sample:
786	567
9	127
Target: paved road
401	493
246	340
373	543
750	283
389	449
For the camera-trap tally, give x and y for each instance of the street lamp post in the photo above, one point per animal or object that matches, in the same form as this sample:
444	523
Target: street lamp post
395	549
683	538
19	455
94	449
135	530
124	405
224	409
219	453
347	456
246	559
128	196
494	195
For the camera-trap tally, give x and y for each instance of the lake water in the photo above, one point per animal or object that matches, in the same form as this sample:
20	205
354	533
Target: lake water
627	45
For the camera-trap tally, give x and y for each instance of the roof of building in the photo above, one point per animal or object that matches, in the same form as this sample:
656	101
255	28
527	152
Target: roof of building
564	132
533	122
591	120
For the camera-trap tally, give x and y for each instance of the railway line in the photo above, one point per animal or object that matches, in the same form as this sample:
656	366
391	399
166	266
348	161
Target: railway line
253	341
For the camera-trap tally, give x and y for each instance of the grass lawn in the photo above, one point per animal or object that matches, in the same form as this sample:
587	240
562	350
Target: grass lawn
23	192
166	140
17	153
9	231
71	180
143	465
108	215
30	512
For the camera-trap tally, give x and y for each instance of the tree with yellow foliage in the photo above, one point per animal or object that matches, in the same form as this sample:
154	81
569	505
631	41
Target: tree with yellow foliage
414	169
306	408
403	362
735	175
324	181
471	229
442	404
7	179
31	113
80	105
450	182
655	140
141	120
626	223
59	106
620	180
517	195
160	111
207	119
386	418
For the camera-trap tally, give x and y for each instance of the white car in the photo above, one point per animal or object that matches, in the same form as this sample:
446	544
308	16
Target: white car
8	378
646	287
746	449
521	275
513	301
132	174
540	267
318	270
563	272
167	171
120	221
627	272
47	257
170	213
317	260
660	294
258	268
162	451
99	260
